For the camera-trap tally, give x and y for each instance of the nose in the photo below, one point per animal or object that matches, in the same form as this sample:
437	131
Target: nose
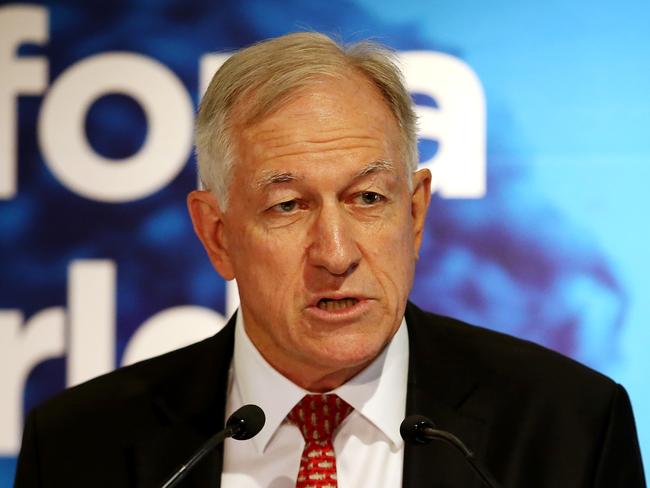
333	243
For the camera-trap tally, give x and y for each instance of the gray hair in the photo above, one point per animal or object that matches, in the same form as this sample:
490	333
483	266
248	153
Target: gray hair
267	73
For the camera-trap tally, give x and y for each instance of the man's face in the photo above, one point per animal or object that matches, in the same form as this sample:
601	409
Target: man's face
321	231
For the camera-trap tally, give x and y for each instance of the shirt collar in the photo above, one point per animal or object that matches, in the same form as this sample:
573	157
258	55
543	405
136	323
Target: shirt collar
259	383
378	392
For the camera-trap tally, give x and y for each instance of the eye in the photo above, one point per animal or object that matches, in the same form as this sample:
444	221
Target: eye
285	207
370	198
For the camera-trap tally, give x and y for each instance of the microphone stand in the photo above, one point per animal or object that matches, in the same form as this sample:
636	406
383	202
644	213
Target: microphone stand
418	429
449	438
210	444
244	423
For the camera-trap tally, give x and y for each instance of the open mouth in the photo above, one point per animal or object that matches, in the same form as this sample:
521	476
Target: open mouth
332	305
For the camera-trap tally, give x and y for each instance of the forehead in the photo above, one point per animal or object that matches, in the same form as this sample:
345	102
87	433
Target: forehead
331	120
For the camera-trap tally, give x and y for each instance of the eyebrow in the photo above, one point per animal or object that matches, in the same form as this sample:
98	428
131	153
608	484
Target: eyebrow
376	167
274	177
271	177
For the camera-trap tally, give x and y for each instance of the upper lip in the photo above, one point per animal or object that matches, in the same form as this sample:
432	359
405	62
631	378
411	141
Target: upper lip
335	295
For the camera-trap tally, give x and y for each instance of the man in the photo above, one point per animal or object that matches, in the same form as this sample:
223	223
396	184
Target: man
313	203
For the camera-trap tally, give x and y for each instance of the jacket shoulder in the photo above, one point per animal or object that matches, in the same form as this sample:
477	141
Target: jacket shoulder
507	362
131	388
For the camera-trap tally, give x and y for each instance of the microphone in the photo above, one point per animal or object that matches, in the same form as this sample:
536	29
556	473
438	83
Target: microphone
418	429
244	423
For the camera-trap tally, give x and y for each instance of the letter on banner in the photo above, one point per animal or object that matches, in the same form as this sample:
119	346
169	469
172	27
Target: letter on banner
171	329
22	347
458	123
18	25
91	312
169	112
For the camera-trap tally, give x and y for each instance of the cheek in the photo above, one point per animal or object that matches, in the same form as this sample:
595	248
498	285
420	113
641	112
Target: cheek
267	261
394	259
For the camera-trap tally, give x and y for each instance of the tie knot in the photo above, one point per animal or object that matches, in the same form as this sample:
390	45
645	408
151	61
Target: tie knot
318	416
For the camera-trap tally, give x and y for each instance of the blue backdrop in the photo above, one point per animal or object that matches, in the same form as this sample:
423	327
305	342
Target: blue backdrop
556	251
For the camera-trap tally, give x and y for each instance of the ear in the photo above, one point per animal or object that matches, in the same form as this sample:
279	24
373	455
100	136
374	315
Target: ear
420	199
207	219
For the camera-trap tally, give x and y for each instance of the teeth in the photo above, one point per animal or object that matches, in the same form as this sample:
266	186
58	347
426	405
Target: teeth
334	305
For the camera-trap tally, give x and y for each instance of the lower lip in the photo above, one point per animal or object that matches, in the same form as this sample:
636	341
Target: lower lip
346	314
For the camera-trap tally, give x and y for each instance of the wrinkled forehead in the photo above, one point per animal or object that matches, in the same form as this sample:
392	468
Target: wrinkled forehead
338	120
266	178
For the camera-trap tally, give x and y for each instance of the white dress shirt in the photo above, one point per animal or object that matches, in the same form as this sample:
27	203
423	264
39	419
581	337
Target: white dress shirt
369	449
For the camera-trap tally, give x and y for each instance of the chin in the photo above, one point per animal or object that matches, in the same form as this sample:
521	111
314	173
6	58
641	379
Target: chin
348	355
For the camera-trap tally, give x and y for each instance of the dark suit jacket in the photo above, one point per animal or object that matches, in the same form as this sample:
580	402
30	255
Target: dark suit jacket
535	418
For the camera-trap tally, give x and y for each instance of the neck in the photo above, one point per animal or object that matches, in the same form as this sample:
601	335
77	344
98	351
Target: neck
319	382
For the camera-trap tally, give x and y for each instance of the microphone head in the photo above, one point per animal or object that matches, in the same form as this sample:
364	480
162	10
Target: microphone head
412	429
246	422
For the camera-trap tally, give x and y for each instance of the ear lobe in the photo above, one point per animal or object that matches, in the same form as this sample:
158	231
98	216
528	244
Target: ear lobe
419	205
208	223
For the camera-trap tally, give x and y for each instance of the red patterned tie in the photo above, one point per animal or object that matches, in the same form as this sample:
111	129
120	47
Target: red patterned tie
318	416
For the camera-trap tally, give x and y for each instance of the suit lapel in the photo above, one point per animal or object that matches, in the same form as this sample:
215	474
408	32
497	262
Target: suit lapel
441	381
189	408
